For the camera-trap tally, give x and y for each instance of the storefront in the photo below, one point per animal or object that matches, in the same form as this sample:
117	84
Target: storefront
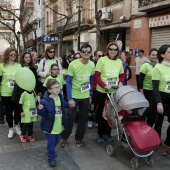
160	30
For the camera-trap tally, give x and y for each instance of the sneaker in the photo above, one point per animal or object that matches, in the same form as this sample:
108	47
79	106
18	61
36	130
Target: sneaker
166	148
51	162
109	138
160	150
31	138
17	129
79	143
11	133
23	139
100	140
90	124
63	143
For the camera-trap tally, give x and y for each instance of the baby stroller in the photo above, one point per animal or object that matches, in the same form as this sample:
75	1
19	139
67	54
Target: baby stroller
131	128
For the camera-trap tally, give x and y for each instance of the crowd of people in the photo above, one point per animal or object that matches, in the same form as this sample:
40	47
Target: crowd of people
68	85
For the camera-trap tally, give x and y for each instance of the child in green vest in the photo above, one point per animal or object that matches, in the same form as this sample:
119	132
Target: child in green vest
28	112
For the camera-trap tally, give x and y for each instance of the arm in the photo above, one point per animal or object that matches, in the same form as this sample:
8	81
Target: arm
40	71
91	83
0	78
141	79
69	87
98	79
42	112
122	78
156	91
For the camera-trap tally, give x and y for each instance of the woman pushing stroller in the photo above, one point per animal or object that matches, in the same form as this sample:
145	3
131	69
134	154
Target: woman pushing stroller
109	72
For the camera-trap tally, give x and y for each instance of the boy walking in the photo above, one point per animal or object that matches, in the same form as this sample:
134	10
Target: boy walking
52	109
79	82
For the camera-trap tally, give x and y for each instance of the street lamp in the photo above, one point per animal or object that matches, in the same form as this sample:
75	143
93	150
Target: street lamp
18	44
79	5
34	28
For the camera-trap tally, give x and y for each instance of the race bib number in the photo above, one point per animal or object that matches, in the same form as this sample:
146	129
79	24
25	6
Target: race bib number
85	87
33	112
58	112
167	87
111	81
11	83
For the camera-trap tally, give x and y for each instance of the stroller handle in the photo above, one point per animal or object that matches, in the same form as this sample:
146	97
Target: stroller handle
113	87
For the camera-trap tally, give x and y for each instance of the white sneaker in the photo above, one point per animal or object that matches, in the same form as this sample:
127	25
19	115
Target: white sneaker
90	124
17	129
11	133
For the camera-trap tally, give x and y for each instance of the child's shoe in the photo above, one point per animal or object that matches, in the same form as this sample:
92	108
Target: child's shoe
51	162
23	139
31	138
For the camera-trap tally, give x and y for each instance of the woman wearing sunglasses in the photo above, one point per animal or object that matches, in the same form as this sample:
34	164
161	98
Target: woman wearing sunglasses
7	79
45	64
109	72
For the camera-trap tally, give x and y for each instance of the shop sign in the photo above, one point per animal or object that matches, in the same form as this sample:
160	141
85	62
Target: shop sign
48	39
159	21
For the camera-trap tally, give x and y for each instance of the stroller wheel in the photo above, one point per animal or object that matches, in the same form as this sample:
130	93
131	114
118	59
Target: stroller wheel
109	150
134	163
149	160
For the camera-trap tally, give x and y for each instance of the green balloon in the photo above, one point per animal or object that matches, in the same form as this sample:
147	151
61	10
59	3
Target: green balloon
25	79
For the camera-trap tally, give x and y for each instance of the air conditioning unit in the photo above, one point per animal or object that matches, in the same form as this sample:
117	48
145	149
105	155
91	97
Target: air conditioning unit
105	13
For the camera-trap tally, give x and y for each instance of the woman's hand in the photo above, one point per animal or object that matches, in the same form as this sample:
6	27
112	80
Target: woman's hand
160	108
72	103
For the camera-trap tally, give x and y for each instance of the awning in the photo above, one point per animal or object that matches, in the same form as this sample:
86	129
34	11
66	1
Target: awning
114	26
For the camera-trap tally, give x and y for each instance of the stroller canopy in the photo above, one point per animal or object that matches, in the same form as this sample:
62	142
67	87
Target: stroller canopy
128	98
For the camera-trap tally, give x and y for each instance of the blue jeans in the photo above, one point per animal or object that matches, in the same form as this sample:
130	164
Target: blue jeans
52	141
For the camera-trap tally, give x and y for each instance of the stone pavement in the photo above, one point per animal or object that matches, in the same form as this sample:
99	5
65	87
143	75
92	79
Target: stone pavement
15	155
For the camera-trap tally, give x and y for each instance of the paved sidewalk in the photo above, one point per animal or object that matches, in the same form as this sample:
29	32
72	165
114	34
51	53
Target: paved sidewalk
15	155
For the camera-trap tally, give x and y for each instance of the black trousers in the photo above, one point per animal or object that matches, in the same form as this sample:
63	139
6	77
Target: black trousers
27	127
157	119
2	111
103	127
83	105
11	107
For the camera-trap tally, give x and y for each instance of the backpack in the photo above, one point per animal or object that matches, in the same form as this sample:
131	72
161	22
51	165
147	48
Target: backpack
128	73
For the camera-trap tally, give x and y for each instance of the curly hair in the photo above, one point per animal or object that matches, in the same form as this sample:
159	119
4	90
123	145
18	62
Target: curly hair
6	55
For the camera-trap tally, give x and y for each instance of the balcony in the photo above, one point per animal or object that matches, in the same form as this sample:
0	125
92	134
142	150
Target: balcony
152	5
87	20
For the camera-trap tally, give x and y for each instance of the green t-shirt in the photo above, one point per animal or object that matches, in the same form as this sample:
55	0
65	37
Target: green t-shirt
28	102
110	70
57	127
147	70
50	62
81	78
8	78
58	78
162	73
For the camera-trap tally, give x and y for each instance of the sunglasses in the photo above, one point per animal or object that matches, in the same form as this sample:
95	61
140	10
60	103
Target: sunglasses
113	49
12	55
86	51
100	55
51	52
